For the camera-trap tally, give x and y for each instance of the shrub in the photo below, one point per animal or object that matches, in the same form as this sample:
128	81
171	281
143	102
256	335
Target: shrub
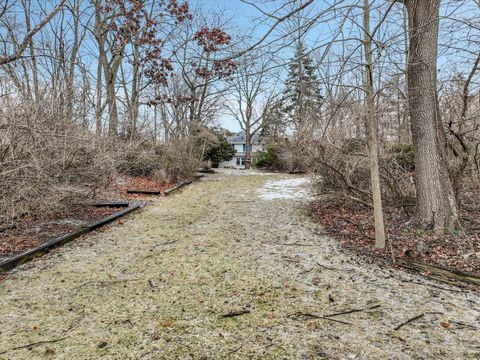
138	160
48	163
269	158
290	155
222	152
180	159
345	171
404	155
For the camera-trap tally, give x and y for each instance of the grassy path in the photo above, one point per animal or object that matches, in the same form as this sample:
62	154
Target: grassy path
158	287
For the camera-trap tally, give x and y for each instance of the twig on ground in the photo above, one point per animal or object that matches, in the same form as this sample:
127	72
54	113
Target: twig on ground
34	344
233	351
353	311
106	282
436	286
298	316
332	268
398	327
306	271
465	325
236	313
289	244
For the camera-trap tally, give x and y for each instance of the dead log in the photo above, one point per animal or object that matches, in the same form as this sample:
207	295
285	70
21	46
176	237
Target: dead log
447	275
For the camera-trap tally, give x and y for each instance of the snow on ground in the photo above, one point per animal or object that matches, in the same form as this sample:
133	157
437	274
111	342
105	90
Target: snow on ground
291	188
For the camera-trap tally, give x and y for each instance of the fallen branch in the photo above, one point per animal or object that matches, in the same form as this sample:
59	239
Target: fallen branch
408	321
34	344
450	276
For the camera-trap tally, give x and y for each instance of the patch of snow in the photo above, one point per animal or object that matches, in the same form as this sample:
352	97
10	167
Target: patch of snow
292	188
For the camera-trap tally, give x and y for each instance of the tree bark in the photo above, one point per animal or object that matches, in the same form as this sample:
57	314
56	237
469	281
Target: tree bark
436	199
248	155
110	70
372	132
98	107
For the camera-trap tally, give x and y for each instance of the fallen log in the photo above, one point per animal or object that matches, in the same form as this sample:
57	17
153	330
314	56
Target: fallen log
435	272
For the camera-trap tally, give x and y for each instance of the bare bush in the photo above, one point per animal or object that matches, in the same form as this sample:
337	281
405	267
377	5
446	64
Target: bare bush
344	169
181	159
293	155
47	164
139	159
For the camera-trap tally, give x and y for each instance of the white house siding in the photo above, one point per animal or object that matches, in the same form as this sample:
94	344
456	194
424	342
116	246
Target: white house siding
238	145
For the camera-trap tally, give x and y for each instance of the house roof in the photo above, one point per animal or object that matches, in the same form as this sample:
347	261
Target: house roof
240	138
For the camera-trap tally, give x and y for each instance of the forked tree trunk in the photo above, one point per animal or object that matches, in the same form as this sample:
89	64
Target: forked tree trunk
436	200
372	132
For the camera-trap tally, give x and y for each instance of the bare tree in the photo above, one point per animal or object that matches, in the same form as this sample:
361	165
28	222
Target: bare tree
436	199
372	130
27	39
252	97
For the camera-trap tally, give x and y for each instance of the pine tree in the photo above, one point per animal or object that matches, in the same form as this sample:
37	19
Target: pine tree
302	98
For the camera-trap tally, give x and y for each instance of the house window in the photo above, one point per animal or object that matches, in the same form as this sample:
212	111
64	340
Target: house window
245	147
233	146
240	160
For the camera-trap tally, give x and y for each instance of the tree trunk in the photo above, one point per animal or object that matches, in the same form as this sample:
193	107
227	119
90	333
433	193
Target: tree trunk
98	107
36	87
372	132
436	200
110	80
135	93
69	81
248	159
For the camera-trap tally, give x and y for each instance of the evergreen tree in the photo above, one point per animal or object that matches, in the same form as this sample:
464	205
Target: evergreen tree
302	98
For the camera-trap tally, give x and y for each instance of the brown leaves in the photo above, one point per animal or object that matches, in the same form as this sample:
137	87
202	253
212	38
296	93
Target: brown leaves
211	39
352	224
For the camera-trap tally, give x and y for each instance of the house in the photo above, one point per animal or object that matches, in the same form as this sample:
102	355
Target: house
238	143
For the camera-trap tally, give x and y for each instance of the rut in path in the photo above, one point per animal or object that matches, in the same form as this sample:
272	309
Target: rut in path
231	267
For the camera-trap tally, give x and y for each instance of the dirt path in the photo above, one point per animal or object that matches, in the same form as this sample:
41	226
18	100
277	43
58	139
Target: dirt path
156	287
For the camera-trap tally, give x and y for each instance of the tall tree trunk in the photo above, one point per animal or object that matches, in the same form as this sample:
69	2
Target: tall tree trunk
70	76
26	8
436	199
98	106
112	104
110	70
135	93
372	127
